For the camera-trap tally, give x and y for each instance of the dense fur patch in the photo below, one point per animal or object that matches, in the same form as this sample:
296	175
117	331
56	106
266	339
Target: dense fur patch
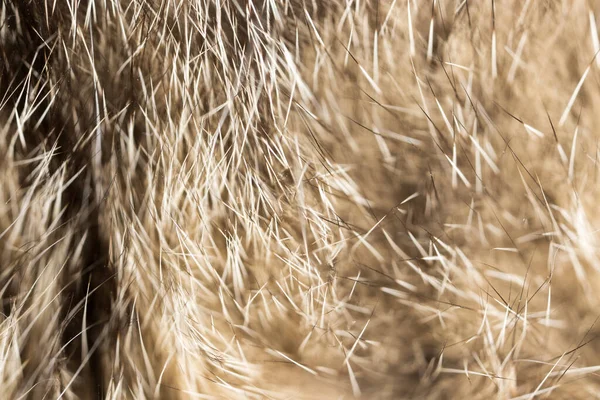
299	199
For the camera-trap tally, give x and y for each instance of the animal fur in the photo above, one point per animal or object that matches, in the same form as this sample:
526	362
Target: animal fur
248	199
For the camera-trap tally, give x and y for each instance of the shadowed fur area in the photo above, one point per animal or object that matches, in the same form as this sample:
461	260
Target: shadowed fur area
299	199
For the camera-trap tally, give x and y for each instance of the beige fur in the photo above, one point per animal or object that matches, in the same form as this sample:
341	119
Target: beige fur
299	199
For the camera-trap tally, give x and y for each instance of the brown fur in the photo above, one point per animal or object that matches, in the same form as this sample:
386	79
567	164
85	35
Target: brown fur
299	199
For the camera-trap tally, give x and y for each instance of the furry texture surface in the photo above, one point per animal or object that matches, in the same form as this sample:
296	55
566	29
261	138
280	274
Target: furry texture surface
299	199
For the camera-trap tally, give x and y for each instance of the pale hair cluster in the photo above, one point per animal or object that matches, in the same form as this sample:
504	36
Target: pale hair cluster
299	199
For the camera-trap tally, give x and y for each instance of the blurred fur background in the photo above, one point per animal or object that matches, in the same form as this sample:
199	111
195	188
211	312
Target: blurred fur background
275	199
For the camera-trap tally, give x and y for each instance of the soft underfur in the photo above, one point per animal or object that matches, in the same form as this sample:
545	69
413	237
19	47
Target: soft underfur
307	199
